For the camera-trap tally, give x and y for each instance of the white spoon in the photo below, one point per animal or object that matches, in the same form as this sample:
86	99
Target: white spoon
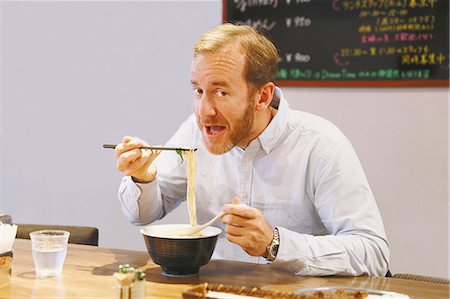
192	230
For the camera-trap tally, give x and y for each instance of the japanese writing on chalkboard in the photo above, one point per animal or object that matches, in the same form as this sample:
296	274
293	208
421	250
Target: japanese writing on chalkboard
353	42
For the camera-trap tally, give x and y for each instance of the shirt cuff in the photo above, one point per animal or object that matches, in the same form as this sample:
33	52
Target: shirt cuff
130	192
286	251
128	195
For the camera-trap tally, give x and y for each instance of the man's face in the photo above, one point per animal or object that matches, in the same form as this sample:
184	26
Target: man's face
224	109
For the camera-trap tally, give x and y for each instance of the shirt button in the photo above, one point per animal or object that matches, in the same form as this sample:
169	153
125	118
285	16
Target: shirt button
245	195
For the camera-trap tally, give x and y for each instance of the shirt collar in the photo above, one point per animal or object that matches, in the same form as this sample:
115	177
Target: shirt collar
273	132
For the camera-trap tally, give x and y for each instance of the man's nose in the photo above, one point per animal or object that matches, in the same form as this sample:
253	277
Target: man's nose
206	107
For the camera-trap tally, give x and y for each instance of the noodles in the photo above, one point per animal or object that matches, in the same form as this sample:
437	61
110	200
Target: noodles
190	157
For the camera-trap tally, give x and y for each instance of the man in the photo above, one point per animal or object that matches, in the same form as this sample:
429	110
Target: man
290	183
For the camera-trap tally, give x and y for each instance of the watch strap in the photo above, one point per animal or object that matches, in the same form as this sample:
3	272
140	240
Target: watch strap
272	249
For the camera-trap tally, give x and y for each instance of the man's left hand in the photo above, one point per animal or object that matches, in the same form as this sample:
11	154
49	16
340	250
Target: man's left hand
247	227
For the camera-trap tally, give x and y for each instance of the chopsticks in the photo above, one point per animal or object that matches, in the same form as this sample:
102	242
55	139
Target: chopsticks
159	148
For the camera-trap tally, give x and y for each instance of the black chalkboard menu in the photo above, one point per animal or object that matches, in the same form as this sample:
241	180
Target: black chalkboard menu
353	42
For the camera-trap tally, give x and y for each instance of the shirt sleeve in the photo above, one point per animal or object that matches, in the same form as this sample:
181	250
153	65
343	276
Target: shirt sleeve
141	203
357	244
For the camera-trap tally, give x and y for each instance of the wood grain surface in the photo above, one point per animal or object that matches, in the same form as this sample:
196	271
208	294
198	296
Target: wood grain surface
88	273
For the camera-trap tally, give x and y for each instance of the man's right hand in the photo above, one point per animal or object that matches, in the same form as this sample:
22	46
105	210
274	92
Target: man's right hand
136	162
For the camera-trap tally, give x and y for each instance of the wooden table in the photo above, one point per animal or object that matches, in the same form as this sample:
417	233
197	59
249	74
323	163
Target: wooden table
88	274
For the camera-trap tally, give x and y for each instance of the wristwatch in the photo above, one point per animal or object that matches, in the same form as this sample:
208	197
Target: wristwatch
272	249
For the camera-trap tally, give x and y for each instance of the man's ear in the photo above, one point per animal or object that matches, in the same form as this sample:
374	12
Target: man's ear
266	93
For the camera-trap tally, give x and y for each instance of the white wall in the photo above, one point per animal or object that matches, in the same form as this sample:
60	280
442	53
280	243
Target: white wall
401	138
79	74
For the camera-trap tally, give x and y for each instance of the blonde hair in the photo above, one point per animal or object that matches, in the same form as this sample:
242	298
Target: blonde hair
261	53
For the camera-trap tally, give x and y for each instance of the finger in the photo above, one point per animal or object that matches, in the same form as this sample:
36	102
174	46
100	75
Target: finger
150	152
129	143
131	164
134	168
235	230
126	139
118	150
235	200
241	210
122	148
130	156
150	155
234	220
237	239
139	171
143	162
133	151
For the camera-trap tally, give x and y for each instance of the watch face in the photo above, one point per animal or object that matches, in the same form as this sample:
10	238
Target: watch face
274	250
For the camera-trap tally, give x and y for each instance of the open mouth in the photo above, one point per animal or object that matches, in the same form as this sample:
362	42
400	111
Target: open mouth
214	131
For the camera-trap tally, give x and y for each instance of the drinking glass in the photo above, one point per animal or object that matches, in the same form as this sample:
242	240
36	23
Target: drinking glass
49	248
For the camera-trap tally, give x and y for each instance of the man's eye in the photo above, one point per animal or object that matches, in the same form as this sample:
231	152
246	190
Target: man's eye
198	91
221	93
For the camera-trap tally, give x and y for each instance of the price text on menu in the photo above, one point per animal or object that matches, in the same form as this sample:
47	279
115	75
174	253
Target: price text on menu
353	42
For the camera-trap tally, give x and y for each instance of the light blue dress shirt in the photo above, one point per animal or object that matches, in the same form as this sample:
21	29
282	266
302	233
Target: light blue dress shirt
301	172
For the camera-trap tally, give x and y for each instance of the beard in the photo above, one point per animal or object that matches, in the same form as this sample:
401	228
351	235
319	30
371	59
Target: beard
236	134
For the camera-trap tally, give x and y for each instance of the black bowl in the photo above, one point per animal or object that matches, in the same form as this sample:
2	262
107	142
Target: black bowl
179	256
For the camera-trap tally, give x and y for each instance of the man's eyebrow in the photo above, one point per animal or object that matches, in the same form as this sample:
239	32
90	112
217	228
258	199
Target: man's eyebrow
219	83
214	83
